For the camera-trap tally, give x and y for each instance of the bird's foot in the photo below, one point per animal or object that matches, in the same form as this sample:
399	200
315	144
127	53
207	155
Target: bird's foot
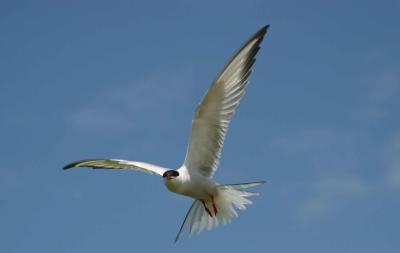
206	208
214	206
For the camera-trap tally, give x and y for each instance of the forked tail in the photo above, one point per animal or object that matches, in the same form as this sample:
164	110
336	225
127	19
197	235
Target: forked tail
228	198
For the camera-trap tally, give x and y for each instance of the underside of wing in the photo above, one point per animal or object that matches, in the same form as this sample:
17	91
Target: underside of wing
117	164
212	116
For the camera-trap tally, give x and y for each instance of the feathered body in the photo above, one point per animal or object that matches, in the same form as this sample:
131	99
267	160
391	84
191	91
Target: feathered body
192	184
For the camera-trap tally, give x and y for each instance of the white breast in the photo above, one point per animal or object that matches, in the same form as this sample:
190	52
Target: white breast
196	186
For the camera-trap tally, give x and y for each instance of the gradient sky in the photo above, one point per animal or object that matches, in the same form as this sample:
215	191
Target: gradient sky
121	79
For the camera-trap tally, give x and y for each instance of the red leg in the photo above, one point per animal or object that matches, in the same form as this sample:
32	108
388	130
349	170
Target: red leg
205	208
214	206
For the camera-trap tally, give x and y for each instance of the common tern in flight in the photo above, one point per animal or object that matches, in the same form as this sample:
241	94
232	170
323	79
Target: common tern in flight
213	203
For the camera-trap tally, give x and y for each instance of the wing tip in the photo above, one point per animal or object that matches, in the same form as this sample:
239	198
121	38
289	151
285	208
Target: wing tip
69	166
261	33
263	30
77	164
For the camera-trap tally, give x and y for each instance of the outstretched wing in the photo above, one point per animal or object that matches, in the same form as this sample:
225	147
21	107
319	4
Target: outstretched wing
212	116
117	164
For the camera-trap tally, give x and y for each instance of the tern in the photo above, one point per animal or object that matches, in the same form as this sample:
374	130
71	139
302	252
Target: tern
213	203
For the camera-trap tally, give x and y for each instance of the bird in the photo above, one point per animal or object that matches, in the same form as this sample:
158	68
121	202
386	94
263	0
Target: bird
213	203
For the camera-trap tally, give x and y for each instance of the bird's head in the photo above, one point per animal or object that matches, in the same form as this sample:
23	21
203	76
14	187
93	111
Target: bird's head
170	174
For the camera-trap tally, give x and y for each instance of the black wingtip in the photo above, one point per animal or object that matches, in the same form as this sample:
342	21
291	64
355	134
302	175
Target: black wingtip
78	163
259	35
69	166
74	164
263	30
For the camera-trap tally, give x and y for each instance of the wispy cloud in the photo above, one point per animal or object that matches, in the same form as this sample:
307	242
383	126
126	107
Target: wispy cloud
328	194
311	141
337	185
323	148
392	159
100	118
332	157
384	91
383	88
115	108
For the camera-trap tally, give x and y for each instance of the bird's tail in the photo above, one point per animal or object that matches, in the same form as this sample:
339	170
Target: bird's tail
227	199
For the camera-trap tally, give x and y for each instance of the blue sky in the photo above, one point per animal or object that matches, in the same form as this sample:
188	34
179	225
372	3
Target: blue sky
121	79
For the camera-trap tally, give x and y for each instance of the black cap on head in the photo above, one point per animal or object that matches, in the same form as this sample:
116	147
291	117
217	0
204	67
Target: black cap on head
171	173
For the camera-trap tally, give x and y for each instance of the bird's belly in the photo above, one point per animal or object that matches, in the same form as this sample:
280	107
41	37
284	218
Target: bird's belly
197	190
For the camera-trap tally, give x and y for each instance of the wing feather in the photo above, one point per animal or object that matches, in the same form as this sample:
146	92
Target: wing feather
117	164
213	114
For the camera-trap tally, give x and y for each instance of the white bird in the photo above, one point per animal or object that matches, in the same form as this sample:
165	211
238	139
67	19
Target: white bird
214	203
